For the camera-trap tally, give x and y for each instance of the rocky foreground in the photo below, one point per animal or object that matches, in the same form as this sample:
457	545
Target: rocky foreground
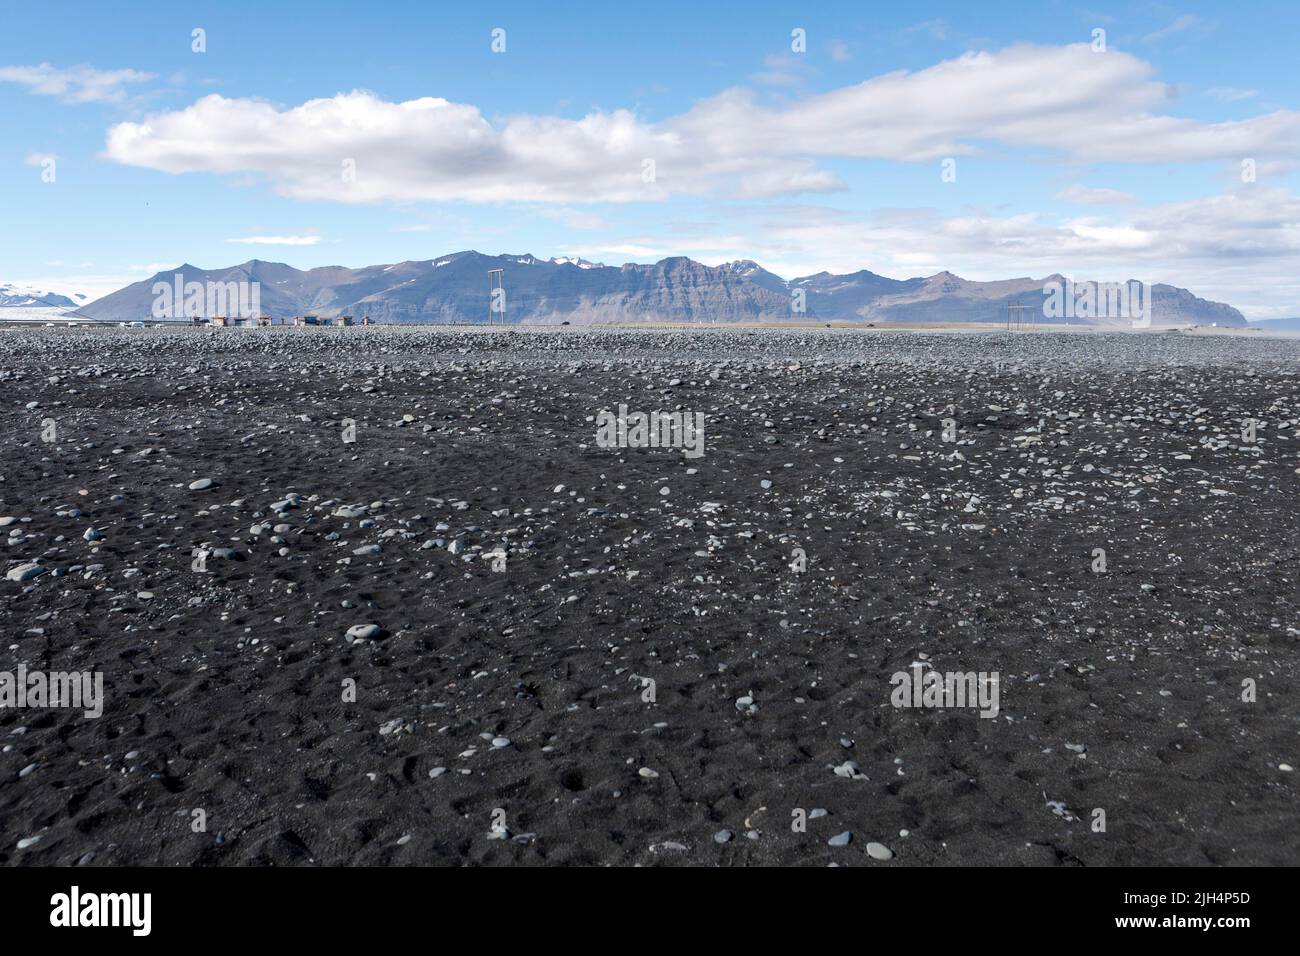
379	596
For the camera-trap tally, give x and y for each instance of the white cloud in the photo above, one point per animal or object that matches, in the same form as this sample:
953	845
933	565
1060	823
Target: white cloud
277	240
783	69
74	84
1179	24
364	149
1069	100
1084	105
935	29
840	52
1085	196
1242	247
1230	94
93	285
573	218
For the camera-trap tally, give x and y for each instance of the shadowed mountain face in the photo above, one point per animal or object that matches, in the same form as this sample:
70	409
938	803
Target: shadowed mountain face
454	289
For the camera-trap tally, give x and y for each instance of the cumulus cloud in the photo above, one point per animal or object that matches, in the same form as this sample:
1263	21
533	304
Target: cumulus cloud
74	84
357	147
1084	105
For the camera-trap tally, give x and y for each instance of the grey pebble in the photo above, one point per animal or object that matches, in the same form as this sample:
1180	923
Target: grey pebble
25	572
878	851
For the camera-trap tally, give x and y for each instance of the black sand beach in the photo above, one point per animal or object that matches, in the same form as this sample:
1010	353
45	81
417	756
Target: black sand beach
499	714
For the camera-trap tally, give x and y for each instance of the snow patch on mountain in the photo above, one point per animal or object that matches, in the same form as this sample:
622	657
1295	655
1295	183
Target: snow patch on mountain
574	261
19	296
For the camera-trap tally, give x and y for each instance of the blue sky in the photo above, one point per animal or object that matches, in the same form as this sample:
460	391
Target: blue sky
1115	163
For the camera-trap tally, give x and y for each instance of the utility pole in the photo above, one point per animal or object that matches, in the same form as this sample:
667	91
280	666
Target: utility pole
1015	315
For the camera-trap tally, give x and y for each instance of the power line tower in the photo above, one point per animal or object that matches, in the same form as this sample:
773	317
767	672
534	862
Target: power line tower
1016	316
496	295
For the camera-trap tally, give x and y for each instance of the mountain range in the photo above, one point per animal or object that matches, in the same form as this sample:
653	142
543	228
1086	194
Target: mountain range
454	289
23	297
1291	324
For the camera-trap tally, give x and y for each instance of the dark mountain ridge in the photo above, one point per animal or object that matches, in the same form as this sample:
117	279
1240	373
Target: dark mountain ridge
454	289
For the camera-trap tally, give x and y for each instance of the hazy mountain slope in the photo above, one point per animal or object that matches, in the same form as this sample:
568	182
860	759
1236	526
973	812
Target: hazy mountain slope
454	288
844	297
1291	324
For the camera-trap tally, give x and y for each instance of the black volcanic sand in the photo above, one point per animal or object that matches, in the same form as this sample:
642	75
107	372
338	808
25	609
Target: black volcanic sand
1119	690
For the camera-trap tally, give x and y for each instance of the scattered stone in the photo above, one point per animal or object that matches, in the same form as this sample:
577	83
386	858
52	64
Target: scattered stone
878	851
850	770
363	632
25	572
668	846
